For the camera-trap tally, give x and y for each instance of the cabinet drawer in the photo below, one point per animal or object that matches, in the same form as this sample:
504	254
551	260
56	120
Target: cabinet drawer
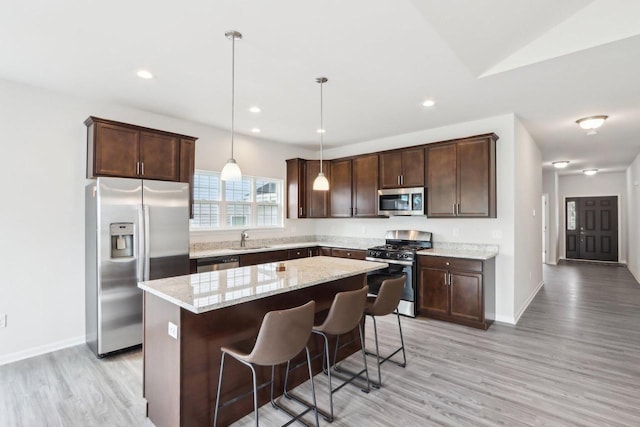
349	253
262	257
298	253
450	263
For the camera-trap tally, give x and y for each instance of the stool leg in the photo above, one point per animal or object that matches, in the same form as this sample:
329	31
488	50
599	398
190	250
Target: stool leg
313	387
215	417
364	358
375	334
326	349
255	391
273	369
404	356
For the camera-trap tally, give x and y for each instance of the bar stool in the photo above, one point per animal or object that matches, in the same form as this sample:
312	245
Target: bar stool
344	316
386	302
282	335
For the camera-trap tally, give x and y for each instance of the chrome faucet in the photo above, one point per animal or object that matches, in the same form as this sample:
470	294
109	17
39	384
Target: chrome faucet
244	235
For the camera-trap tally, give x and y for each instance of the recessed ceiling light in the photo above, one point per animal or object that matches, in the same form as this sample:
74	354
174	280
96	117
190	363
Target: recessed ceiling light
321	131
592	122
254	109
560	164
144	74
255	130
429	103
590	171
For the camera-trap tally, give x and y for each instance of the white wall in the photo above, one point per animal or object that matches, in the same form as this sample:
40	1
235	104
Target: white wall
633	215
601	184
550	187
498	230
42	213
528	219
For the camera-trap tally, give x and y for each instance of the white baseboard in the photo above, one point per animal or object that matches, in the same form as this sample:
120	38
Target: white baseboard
41	349
528	301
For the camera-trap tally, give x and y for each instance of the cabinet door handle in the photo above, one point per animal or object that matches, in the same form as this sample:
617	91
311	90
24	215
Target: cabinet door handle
300	209
398	179
446	279
401	179
454	209
142	168
457	209
348	253
137	168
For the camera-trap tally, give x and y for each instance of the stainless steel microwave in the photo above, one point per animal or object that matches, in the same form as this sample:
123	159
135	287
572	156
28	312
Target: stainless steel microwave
401	201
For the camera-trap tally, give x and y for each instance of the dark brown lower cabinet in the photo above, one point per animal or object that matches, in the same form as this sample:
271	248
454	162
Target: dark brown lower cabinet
255	258
457	290
349	253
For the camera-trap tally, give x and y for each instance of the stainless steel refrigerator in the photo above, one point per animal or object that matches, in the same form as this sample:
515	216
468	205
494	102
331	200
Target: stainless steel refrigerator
135	230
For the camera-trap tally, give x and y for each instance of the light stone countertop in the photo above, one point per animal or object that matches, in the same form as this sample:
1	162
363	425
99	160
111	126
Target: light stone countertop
269	248
460	253
208	291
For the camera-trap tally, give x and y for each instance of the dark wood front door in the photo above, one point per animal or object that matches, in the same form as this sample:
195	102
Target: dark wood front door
592	228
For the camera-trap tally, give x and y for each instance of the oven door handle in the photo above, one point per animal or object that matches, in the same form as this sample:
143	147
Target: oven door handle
389	261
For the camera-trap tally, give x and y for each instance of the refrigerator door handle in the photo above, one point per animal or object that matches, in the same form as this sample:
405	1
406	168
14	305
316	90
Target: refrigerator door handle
142	249
145	209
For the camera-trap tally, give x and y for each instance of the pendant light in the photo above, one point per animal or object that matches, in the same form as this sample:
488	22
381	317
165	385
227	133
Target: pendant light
321	183
231	170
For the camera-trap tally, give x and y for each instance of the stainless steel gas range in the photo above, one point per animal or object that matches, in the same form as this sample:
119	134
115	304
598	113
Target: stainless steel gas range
400	253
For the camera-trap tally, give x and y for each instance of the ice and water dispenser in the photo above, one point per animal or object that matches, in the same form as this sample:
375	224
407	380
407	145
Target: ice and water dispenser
121	240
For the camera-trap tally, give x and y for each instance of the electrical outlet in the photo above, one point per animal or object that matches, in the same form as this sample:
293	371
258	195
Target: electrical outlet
456	232
173	330
3	320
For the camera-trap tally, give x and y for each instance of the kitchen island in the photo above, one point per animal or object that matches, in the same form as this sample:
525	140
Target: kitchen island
188	318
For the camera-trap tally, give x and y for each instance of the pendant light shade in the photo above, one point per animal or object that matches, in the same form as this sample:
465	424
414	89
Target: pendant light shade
321	183
231	170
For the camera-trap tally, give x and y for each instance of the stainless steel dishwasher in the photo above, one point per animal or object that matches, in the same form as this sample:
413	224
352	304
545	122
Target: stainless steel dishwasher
217	263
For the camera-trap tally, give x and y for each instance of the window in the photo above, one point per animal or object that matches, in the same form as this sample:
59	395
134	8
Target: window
252	202
571	215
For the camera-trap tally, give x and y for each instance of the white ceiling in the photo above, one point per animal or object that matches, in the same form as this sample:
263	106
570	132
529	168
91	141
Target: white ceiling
547	61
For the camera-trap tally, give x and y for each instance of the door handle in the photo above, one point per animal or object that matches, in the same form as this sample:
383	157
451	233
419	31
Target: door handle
147	257
141	246
454	209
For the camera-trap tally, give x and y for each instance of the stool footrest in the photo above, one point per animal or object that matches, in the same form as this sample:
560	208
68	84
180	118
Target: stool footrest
402	365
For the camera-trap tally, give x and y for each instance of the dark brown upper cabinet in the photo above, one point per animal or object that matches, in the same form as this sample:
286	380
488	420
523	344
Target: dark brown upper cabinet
461	178
353	187
402	168
302	200
317	201
365	188
296	188
340	189
129	151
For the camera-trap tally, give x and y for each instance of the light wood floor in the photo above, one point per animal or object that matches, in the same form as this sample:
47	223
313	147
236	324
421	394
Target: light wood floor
573	359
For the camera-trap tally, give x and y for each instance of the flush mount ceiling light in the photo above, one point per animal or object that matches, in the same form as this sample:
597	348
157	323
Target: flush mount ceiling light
255	130
231	170
591	123
254	109
321	183
144	74
590	172
560	164
429	103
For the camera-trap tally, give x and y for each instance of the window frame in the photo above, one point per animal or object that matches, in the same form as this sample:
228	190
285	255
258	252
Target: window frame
223	204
